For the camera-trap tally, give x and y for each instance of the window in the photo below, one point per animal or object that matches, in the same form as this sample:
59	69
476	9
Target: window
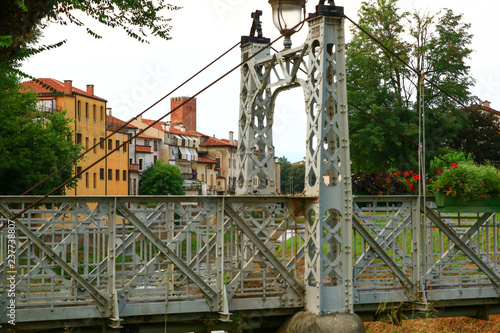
155	158
218	183
101	174
94	113
117	175
125	148
124	175
234	163
78	138
87	142
155	143
79	110
95	180
79	172
110	144
95	144
101	143
102	113
117	143
202	177
110	174
140	164
134	188
86	179
217	166
87	110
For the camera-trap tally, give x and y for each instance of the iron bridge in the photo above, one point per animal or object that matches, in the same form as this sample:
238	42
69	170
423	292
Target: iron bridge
198	264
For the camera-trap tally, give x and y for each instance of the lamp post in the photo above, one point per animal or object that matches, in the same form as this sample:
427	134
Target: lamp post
328	275
286	15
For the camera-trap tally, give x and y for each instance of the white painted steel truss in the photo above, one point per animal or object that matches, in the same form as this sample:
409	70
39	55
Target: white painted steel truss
91	258
319	68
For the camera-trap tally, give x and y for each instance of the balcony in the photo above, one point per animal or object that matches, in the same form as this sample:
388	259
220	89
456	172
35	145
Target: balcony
134	167
142	149
46	109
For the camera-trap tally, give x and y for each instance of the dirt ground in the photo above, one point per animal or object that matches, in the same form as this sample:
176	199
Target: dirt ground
444	325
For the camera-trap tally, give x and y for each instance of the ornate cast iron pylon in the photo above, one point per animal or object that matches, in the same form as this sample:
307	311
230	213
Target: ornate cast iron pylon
328	275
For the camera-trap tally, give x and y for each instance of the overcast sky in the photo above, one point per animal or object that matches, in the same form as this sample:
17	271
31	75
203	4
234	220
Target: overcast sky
132	76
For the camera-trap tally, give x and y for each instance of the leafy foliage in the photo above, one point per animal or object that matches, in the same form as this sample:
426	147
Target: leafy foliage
161	179
468	181
385	183
437	47
292	177
139	18
32	144
438	165
480	137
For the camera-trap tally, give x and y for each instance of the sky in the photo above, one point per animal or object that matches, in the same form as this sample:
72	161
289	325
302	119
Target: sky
132	76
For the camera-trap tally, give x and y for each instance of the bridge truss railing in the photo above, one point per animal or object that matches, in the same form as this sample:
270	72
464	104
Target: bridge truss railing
84	258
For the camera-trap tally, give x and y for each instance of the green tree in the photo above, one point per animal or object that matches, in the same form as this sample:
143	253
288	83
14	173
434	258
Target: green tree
161	179
480	137
292	177
19	19
32	144
437	47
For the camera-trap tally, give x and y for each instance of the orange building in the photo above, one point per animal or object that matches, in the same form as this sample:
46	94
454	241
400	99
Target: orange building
88	114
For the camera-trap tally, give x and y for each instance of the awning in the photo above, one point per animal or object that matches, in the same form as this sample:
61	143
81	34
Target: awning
188	154
178	140
174	153
183	153
194	154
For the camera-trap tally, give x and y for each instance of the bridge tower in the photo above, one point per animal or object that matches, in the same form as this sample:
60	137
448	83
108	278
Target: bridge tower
328	225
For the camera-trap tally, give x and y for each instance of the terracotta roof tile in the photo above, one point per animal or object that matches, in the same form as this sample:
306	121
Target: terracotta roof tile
216	142
144	136
114	123
159	126
56	85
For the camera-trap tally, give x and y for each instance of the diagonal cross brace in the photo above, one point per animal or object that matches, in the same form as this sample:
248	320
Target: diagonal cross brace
388	236
453	251
264	249
101	300
207	291
494	278
407	284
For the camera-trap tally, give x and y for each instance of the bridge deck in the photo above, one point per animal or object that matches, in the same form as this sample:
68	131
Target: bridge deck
119	260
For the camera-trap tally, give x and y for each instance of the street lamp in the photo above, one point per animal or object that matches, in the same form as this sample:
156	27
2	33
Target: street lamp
286	15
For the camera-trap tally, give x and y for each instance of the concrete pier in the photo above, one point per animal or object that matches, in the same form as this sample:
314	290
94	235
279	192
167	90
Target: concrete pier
308	322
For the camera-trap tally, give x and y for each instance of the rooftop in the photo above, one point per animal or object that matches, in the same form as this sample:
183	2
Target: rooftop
113	123
210	141
47	86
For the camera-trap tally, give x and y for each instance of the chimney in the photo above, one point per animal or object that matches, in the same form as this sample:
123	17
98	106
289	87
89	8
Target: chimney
231	139
109	112
68	87
486	104
90	89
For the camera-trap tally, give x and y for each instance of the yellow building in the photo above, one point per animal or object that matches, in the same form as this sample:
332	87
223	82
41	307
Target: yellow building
88	114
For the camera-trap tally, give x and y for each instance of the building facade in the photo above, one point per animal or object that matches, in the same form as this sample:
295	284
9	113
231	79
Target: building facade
88	114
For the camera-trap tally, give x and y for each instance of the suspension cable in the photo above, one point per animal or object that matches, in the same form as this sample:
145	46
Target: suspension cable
131	120
148	127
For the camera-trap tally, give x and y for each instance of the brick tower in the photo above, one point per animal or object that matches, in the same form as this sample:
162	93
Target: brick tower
184	115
